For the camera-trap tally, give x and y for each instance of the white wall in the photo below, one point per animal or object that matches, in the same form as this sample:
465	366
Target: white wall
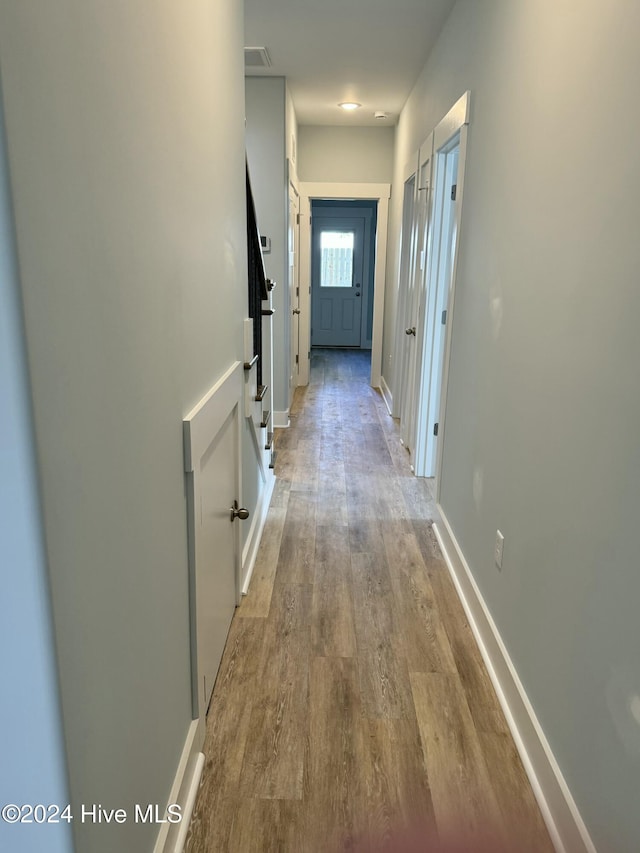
266	155
543	411
345	154
125	130
31	739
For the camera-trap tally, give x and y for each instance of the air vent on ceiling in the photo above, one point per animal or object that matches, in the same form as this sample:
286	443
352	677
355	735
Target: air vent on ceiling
256	57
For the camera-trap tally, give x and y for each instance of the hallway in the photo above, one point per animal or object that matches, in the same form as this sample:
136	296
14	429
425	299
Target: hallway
352	701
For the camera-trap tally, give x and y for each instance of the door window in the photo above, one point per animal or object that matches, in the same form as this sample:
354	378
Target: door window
336	258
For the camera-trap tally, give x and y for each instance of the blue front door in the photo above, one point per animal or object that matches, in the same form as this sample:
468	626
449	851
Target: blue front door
337	266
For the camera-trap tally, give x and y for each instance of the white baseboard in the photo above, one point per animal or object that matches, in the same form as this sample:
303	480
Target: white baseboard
566	827
387	396
172	836
190	801
281	419
250	550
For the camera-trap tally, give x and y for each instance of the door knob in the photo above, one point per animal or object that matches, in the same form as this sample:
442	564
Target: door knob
296	310
411	331
238	512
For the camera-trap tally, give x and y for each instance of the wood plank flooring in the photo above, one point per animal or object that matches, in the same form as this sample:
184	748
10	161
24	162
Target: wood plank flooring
352	710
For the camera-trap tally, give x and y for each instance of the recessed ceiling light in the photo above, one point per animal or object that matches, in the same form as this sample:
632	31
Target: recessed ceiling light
349	105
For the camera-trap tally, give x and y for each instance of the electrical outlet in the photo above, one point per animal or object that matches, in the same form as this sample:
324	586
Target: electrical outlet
499	549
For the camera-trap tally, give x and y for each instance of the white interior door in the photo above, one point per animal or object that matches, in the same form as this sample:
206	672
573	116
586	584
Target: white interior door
294	286
216	555
421	218
404	300
412	325
212	463
408	309
425	248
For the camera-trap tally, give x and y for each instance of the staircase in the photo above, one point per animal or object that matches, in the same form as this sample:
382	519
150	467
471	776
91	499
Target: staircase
258	344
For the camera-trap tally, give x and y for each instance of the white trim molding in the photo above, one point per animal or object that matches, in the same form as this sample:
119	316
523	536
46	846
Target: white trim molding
281	420
387	396
250	550
190	801
171	836
564	822
457	117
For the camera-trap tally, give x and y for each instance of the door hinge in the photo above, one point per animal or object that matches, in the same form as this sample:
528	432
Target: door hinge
435	429
444	317
297	219
297	291
454	192
296	358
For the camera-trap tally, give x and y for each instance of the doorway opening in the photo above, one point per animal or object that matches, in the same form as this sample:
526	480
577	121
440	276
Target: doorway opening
340	365
433	190
371	317
439	285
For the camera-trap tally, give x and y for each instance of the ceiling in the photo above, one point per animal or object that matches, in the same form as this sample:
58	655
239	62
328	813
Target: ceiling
369	51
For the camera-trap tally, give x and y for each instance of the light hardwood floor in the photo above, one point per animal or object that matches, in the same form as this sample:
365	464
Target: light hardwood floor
352	710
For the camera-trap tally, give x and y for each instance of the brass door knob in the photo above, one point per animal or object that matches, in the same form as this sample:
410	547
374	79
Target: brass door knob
411	331
296	310
238	512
